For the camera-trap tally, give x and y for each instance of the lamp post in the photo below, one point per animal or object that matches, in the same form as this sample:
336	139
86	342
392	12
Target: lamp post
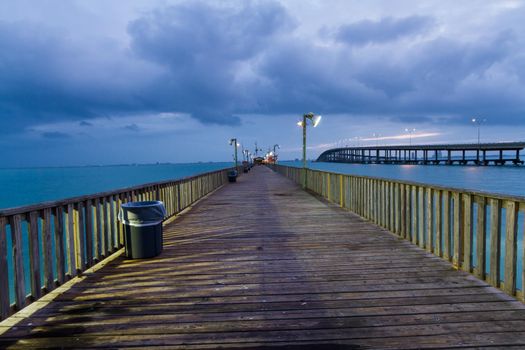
410	132
314	120
235	145
257	149
478	122
275	154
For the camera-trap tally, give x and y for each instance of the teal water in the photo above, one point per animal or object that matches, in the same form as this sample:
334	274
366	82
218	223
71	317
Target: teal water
25	186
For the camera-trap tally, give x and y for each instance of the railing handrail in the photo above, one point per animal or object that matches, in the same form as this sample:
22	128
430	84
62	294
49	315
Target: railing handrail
501	196
71	200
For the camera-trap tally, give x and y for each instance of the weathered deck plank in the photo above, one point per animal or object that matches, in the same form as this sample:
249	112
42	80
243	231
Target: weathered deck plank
261	263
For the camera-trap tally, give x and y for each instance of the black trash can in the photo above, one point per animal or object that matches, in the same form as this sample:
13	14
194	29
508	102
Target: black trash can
232	176
142	228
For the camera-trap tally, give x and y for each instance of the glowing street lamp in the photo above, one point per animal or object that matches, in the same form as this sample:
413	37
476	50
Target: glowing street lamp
274	147
478	122
314	121
235	144
410	132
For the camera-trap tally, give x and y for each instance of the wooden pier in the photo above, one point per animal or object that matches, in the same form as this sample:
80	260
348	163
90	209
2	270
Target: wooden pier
501	153
263	264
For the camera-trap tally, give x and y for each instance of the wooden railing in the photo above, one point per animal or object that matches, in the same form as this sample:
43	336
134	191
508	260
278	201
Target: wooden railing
480	233
44	245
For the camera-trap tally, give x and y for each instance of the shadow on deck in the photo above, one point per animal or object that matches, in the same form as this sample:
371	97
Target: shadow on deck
261	264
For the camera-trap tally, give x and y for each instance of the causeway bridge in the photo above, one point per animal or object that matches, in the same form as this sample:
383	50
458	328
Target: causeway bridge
462	154
350	263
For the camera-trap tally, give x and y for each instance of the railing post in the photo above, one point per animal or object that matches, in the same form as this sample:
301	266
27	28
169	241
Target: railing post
18	259
446	225
70	241
421	218
59	244
5	309
341	203
328	186
34	256
495	239
481	238
437	220
511	240
47	250
458	231
88	207
467	233
429	240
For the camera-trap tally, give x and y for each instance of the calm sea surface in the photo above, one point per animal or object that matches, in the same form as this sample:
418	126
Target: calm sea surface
505	179
33	185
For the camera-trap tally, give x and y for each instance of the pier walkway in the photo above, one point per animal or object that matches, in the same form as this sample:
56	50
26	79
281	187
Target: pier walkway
262	264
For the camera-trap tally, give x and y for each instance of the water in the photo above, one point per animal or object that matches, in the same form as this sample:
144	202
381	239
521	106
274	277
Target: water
26	186
495	179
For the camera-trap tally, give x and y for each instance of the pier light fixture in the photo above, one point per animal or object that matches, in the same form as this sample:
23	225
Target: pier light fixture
233	142
314	121
477	122
276	146
410	132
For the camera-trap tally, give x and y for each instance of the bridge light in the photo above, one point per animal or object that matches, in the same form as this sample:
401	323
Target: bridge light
477	122
410	132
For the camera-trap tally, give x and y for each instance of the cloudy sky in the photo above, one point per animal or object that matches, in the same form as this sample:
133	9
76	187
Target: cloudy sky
104	82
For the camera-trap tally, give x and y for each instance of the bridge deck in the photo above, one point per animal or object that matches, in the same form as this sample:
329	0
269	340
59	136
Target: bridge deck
262	264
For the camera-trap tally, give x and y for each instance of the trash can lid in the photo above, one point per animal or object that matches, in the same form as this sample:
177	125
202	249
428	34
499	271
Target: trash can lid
142	204
142	212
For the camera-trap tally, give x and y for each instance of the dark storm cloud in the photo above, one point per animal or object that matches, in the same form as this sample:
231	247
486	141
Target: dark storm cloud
47	76
440	75
203	49
30	87
217	62
384	30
